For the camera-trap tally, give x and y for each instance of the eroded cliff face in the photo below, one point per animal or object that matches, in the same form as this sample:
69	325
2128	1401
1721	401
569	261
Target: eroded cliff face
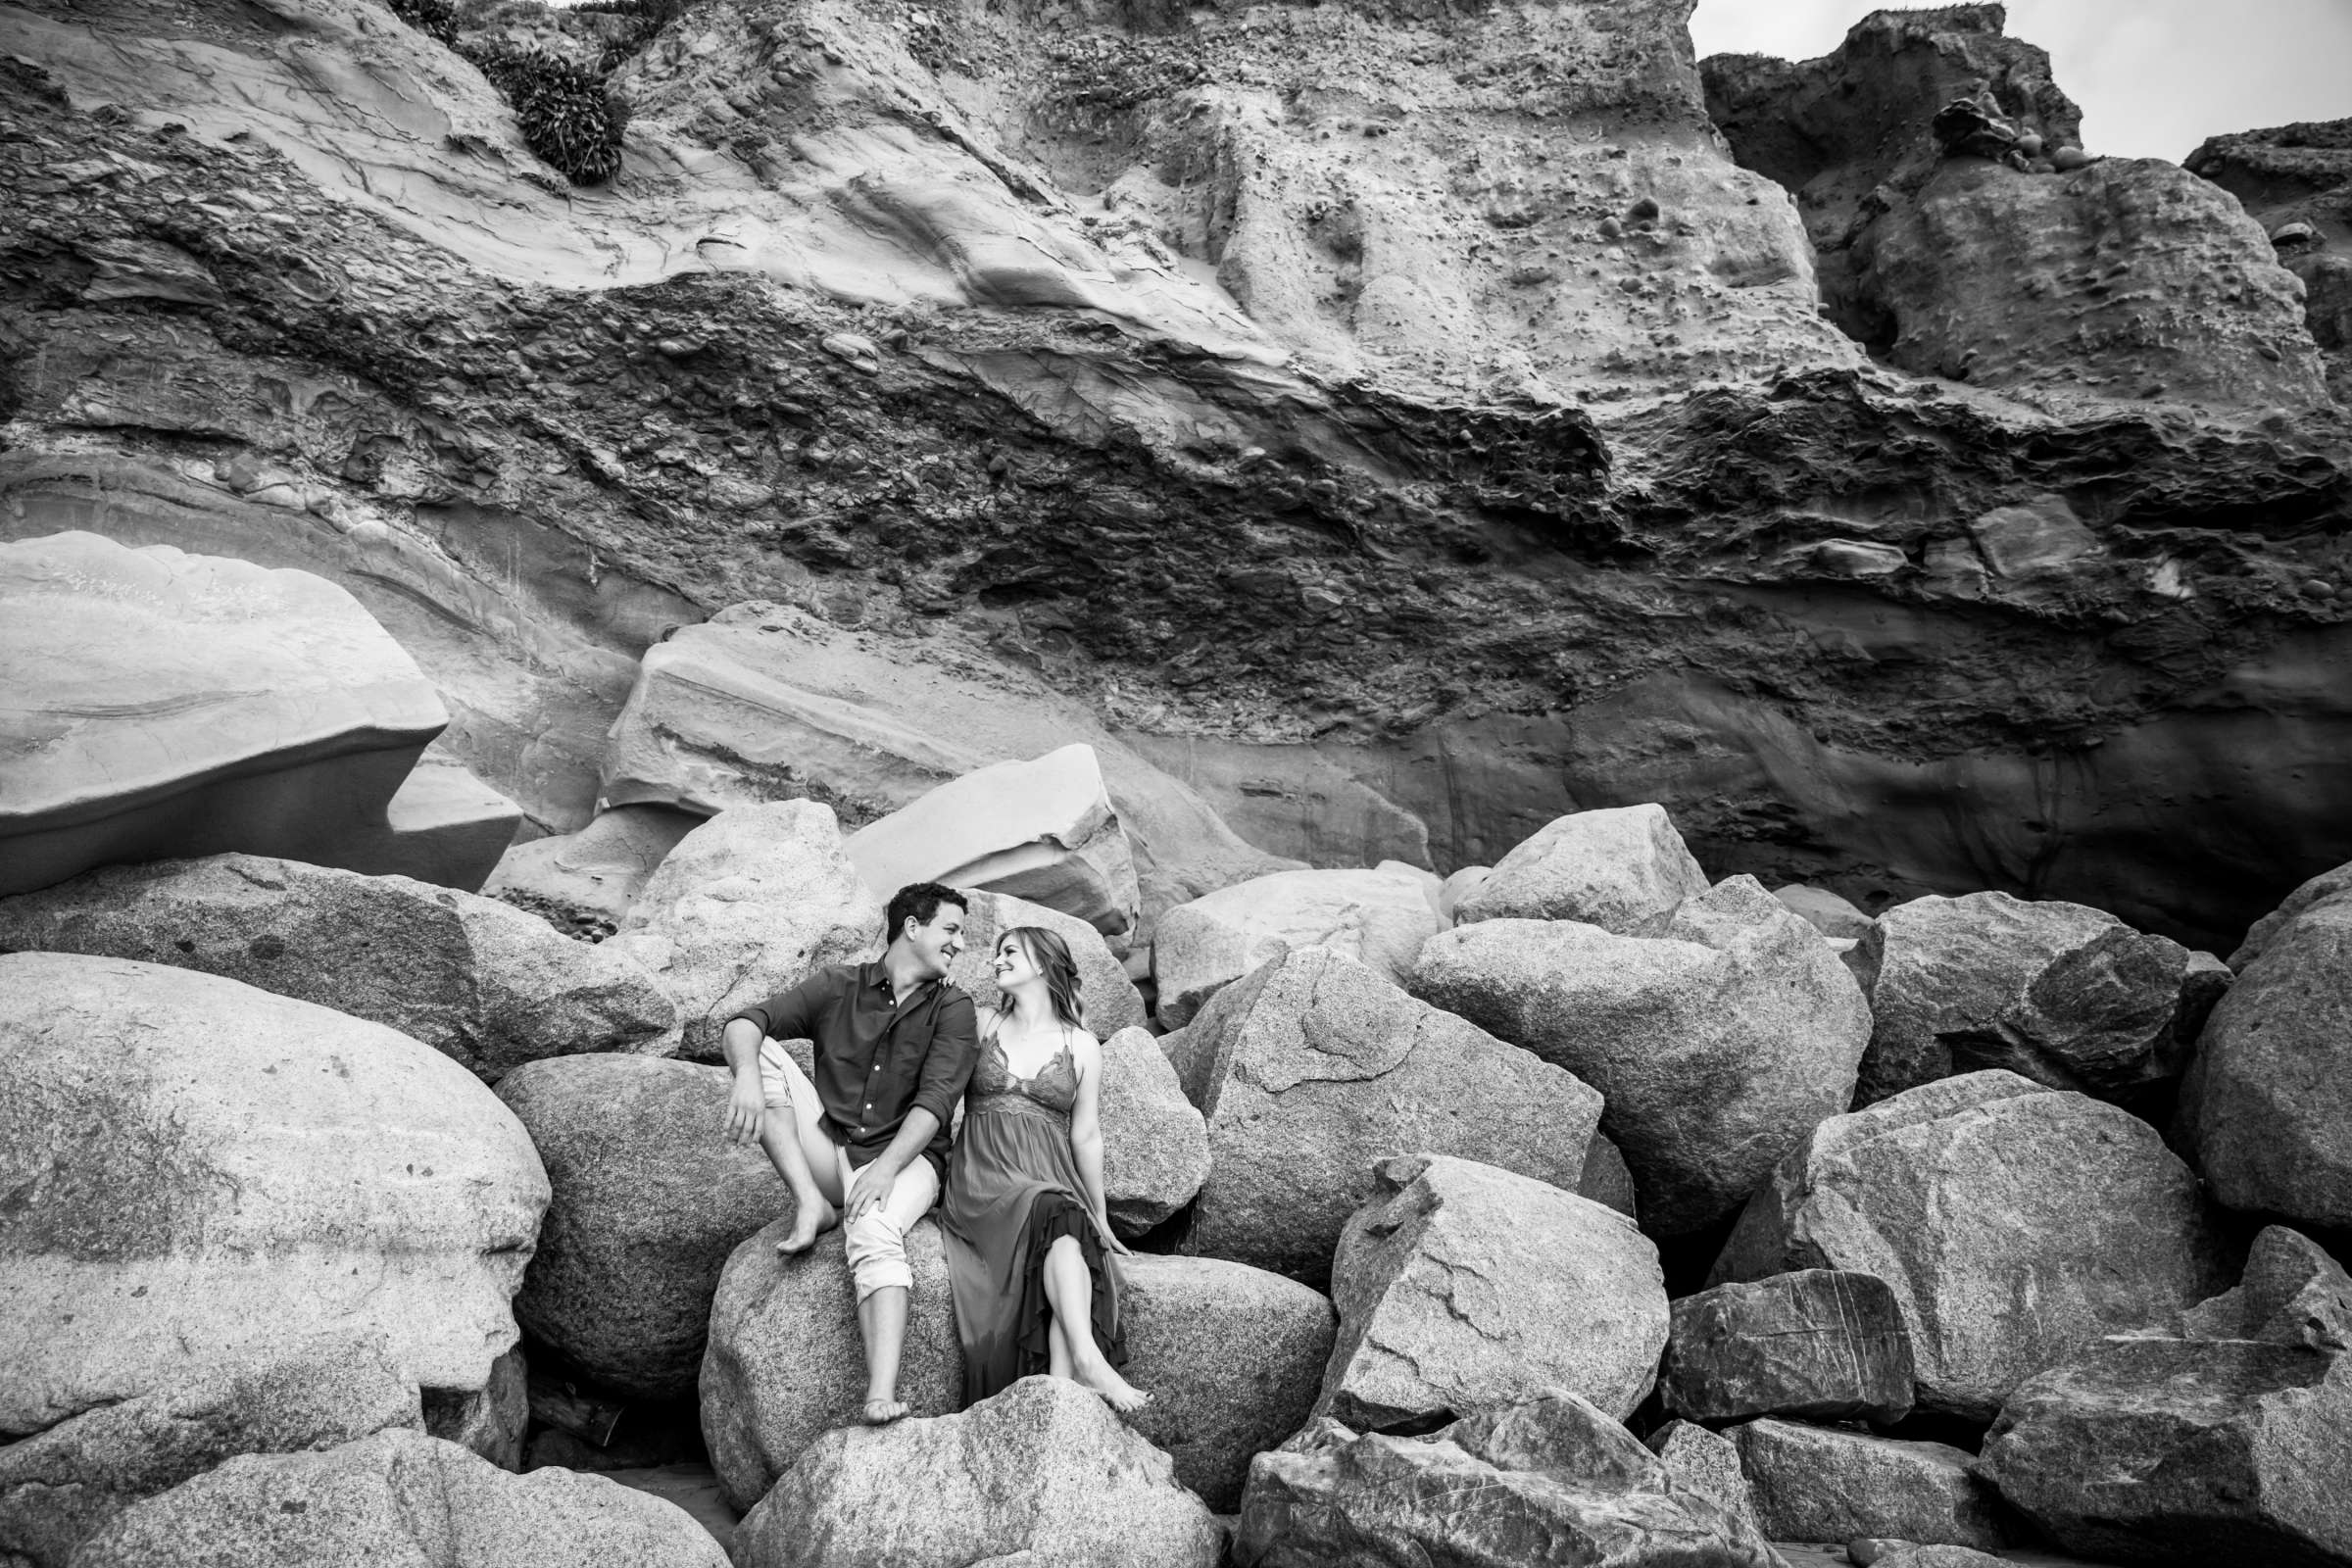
1405	424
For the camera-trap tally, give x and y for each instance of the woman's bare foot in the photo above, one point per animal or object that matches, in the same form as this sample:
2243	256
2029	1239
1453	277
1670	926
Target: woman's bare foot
882	1412
813	1216
1117	1391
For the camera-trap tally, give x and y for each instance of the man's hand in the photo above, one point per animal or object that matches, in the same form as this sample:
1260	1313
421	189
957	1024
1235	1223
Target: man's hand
871	1189
746	1109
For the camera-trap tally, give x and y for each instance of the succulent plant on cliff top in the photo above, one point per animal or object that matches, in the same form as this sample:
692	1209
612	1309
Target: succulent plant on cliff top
567	115
437	19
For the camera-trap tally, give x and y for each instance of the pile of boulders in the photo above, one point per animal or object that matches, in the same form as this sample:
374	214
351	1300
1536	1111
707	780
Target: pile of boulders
1580	1200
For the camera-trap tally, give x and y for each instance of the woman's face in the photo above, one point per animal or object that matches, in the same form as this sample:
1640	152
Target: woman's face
1012	964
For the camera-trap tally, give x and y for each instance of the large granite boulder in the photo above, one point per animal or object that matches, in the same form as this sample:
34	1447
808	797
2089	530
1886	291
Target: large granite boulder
755	900
785	1361
586	881
2331	884
1313	1069
2267	1107
477	980
60	1487
2062	994
398	1498
1824	1484
1623	869
2014	1223
198	1167
1042	829
177	705
1818	1344
1717	1044
1378	918
1462	1288
1041	1473
1708	1463
1232	1357
1111	998
1154	1141
650	1198
1552	1480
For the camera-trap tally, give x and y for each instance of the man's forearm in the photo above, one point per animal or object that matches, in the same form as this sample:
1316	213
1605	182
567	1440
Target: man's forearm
739	1043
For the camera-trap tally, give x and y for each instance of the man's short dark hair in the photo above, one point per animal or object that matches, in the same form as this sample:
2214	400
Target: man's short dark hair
919	901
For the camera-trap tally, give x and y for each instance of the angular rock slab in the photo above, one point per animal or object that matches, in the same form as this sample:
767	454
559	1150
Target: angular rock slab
1111	998
2337	882
198	1167
1552	1480
1042	830
1378	918
650	1198
442	825
1717	1044
2014	1223
1707	1463
1818	1344
2291	1293
2267	1106
1832	914
1154	1142
492	1420
1313	1069
168	704
1232	1357
785	1361
1822	1484
757	898
587	880
481	982
2177	1451
60	1487
1462	1288
1621	868
395	1500
2060	993
1041	1473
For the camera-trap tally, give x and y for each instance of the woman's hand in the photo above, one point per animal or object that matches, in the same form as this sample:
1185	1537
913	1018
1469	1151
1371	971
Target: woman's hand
1111	1238
746	1109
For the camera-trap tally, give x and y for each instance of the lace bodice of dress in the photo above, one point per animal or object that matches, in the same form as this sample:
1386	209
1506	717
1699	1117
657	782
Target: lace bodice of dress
1055	1085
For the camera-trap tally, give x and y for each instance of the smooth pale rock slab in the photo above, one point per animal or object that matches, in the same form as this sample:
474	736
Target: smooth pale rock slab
177	705
1621	868
1707	1463
1111	998
1824	1484
591	877
1458	886
785	1361
2267	1106
2180	1451
442	825
1378	918
1040	1474
1553	1480
199	1168
1042	830
650	1197
1717	1044
1314	1068
2060	993
1832	914
476	979
757	898
2015	1225
1232	1356
60	1487
1462	1288
396	1500
1154	1141
1817	1344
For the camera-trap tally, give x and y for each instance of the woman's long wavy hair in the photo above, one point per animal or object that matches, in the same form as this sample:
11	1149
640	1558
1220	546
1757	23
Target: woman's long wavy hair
1051	957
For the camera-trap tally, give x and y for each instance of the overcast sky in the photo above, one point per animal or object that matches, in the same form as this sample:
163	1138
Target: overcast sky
2154	76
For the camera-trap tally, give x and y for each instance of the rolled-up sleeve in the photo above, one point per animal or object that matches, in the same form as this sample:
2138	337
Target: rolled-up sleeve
792	1014
954	1048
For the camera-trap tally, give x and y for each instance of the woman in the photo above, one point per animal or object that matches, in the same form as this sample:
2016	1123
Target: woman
1031	1256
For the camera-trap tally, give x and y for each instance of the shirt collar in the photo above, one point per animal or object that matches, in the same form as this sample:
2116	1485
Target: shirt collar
874	974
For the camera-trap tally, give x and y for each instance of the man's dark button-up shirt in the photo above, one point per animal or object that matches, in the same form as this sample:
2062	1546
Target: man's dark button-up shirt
878	1059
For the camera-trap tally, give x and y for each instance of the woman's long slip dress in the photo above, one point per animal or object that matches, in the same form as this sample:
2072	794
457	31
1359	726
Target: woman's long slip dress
1012	1191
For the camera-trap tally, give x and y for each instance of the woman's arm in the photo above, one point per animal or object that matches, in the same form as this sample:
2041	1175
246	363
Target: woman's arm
1086	1133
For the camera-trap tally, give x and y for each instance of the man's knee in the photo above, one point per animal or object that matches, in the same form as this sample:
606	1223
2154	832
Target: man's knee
782	1084
877	1253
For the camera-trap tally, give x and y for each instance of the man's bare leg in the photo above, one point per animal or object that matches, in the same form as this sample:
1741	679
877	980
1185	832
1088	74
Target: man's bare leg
882	1319
813	1209
1071	1289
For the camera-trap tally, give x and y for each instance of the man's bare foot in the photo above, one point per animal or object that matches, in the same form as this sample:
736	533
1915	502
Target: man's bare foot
1117	1392
882	1412
813	1216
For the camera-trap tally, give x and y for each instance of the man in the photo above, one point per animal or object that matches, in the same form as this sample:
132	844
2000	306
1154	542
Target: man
868	1138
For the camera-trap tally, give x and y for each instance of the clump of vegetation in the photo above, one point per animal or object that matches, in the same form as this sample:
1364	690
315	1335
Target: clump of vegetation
437	19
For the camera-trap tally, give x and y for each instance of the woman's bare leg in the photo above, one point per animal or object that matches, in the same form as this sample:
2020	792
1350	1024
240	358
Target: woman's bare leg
1071	1289
1058	1349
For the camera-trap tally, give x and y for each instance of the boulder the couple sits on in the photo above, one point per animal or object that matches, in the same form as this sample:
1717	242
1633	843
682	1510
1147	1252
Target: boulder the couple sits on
1032	1261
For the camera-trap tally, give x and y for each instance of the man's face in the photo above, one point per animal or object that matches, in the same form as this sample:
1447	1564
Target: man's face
937	943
